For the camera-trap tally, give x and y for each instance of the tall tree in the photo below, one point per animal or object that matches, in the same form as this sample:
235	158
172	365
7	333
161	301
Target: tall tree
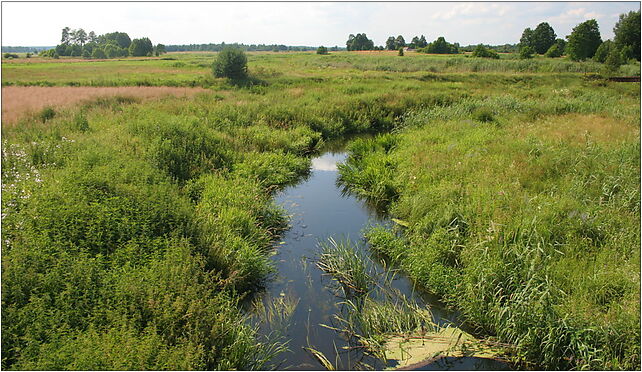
65	36
400	42
543	37
583	41
80	36
141	47
359	42
422	42
390	43
527	38
91	37
627	34
415	42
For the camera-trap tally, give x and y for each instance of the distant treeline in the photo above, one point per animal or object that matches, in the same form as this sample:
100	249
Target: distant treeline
24	49
248	48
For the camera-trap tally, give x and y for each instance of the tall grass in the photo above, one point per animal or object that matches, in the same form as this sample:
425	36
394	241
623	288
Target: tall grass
526	222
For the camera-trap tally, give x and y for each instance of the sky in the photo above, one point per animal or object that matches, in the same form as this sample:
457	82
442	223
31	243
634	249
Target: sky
301	23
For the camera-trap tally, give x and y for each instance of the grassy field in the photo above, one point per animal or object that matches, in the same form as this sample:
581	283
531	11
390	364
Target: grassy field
132	228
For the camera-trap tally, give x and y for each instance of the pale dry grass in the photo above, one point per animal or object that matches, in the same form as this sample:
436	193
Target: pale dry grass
576	129
20	101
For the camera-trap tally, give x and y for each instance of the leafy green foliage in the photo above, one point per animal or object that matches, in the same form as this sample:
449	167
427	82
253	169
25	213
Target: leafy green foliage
482	52
584	41
359	42
526	52
141	47
230	63
440	46
322	50
627	34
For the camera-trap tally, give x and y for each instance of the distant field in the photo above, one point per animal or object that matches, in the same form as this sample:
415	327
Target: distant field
193	69
20	101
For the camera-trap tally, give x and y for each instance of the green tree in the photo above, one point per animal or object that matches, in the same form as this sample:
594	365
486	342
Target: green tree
141	47
422	42
160	49
555	51
526	39
98	53
542	38
112	50
65	36
603	51
359	42
400	42
390	43
80	36
322	50
121	38
627	34
441	46
613	60
91	37
583	41
483	52
526	52
400	54
230	63
414	43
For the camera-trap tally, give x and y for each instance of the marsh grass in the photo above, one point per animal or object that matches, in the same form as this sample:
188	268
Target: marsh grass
142	222
521	231
371	309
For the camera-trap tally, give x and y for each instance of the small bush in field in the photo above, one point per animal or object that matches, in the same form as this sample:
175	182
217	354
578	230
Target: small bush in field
230	63
46	114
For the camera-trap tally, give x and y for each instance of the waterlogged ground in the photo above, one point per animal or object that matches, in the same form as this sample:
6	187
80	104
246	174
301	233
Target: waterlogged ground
319	209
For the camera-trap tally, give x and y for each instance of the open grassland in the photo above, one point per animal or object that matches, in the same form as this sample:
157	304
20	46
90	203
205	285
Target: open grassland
194	69
131	228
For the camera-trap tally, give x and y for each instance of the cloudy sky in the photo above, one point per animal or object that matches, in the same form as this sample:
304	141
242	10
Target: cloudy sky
326	23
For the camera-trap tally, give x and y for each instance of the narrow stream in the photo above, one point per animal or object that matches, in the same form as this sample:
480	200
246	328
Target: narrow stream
320	210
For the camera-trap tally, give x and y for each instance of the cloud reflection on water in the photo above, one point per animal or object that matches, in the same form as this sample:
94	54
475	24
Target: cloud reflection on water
327	164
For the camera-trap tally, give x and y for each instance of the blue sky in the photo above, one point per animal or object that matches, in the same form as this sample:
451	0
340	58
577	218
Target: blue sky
39	24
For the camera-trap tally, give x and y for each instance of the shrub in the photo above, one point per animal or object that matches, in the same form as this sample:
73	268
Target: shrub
526	52
555	51
400	52
322	50
230	63
46	114
483	52
10	55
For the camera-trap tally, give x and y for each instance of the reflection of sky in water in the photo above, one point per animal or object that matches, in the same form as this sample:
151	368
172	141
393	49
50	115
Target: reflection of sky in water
327	162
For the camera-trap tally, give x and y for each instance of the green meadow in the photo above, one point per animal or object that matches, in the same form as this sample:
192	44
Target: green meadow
133	229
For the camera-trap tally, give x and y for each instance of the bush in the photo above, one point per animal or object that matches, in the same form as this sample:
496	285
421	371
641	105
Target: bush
483	52
555	51
98	53
46	114
400	52
526	52
322	50
10	55
230	63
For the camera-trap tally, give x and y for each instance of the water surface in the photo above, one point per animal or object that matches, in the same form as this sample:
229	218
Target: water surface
319	210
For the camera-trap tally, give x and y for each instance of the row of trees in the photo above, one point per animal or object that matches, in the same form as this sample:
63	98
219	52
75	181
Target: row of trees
78	43
245	47
585	41
394	43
